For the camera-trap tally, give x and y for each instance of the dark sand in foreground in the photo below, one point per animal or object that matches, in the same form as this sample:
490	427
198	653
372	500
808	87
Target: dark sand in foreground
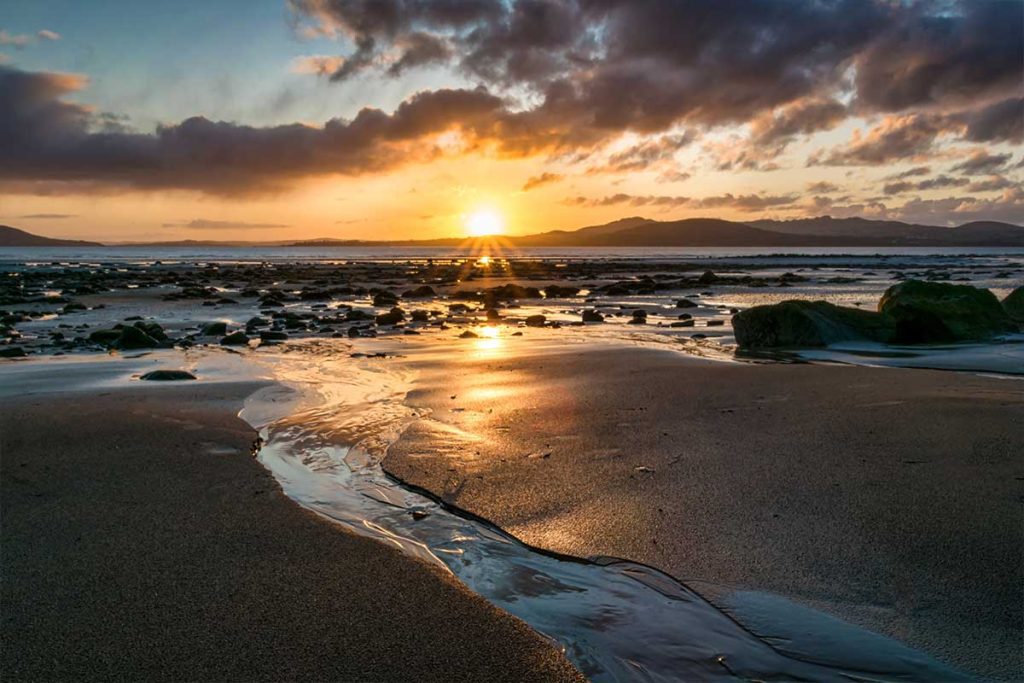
891	498
140	541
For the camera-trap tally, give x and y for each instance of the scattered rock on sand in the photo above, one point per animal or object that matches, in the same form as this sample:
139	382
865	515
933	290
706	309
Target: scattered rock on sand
167	376
592	316
535	320
215	329
238	338
930	312
392	317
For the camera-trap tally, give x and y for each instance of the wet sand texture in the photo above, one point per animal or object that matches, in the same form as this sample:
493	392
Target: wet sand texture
140	541
891	498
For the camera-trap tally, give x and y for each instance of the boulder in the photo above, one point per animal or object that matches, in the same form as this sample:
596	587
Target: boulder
685	303
421	316
235	339
214	329
1013	304
167	376
559	291
385	298
535	320
420	292
273	336
135	338
935	312
12	352
105	337
798	323
592	316
392	317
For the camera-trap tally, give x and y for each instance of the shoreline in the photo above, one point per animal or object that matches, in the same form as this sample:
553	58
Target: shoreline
139	529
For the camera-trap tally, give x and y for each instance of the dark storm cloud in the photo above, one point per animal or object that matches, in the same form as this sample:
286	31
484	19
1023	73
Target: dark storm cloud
646	64
936	57
1002	121
45	138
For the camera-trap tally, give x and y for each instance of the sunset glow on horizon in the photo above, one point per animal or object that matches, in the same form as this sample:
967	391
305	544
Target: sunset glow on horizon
313	119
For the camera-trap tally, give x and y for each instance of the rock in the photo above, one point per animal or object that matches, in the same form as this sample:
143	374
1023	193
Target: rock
135	338
420	292
354	332
421	316
468	335
682	323
154	330
558	291
257	322
105	337
592	316
12	352
392	317
385	298
798	323
535	320
932	312
707	278
715	323
492	314
639	317
274	336
1013	304
687	316
685	303
235	339
167	376
214	329
357	315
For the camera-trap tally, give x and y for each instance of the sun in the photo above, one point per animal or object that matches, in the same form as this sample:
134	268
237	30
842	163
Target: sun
484	222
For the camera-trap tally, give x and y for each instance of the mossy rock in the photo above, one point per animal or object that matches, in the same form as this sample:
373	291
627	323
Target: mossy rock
1013	304
796	323
937	312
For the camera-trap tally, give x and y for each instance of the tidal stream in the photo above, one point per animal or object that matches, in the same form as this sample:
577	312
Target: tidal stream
326	427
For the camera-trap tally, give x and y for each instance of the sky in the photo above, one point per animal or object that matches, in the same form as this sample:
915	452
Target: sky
412	119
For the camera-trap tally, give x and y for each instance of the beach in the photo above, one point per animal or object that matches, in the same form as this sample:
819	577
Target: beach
887	497
141	540
535	469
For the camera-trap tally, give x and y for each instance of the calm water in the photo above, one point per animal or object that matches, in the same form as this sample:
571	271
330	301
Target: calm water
139	254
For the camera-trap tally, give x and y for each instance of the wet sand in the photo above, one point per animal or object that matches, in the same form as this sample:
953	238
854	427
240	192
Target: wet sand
890	498
141	541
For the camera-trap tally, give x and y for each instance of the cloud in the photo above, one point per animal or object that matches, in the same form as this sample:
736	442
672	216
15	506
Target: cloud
15	40
910	173
47	216
207	224
21	40
323	65
542	179
802	117
938	182
823	187
992	183
981	162
646	155
748	202
46	138
895	138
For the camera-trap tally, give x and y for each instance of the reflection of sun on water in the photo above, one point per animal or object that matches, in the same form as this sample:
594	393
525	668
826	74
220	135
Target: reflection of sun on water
484	261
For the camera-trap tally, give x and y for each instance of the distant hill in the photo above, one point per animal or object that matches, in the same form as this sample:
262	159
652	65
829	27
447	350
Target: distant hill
636	231
12	237
895	233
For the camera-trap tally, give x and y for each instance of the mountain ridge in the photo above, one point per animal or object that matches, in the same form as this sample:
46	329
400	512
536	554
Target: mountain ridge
637	231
